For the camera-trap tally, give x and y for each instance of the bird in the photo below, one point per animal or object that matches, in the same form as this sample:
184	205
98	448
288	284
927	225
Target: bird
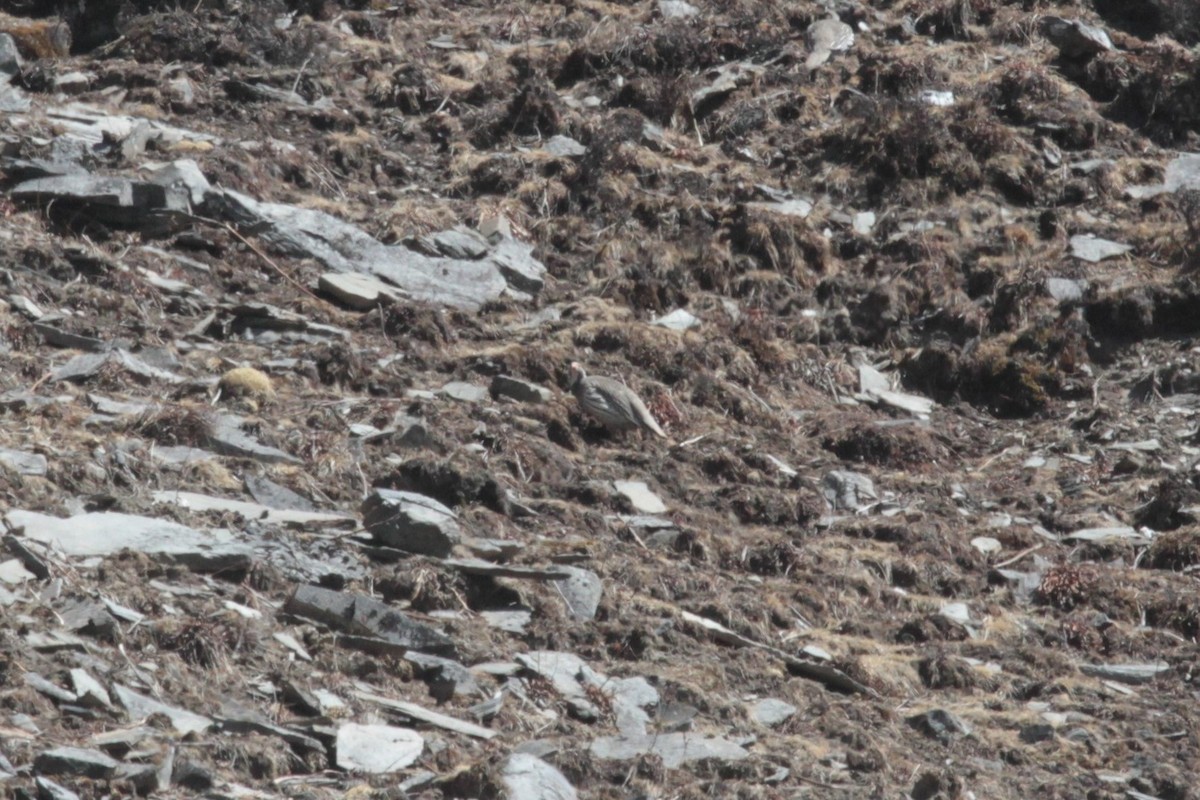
612	403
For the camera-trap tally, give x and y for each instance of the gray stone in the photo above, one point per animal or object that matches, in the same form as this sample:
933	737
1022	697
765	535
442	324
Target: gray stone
121	742
864	221
51	690
117	408
253	511
675	717
48	789
464	392
356	614
572	678
1126	673
75	762
183	179
1074	39
446	678
422	714
643	500
102	534
529	778
342	247
13	572
771	712
1117	533
272	495
109	198
675	749
1065	289
796	207
477	566
358	291
180	455
89	690
848	491
676	9
461	242
581	591
1038	732
236	719
1094	249
986	544
10	57
937	723
411	522
564	147
139	707
519	390
376	748
678	320
226	437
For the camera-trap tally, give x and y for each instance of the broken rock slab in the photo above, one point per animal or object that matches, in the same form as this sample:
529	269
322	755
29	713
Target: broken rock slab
519	390
573	678
103	534
356	614
377	748
252	511
529	778
23	463
358	291
640	497
341	247
675	749
411	522
75	762
226	436
1094	249
848	491
139	707
771	712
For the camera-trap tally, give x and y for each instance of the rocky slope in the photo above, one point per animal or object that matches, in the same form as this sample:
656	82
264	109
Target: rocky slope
297	503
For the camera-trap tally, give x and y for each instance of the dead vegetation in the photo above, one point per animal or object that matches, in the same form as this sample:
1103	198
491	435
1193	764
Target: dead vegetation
912	203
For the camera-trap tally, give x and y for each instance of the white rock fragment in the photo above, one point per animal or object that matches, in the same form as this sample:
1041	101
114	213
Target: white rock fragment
639	494
377	748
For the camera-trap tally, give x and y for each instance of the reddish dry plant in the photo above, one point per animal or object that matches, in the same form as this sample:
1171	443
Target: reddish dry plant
599	698
1066	585
664	410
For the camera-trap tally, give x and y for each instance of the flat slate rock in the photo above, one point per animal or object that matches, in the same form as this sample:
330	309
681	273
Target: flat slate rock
643	500
23	463
1094	249
477	566
771	712
357	291
519	390
411	522
377	748
272	495
226	436
75	762
342	247
529	778
675	749
1126	673
357	614
252	511
106	533
139	707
